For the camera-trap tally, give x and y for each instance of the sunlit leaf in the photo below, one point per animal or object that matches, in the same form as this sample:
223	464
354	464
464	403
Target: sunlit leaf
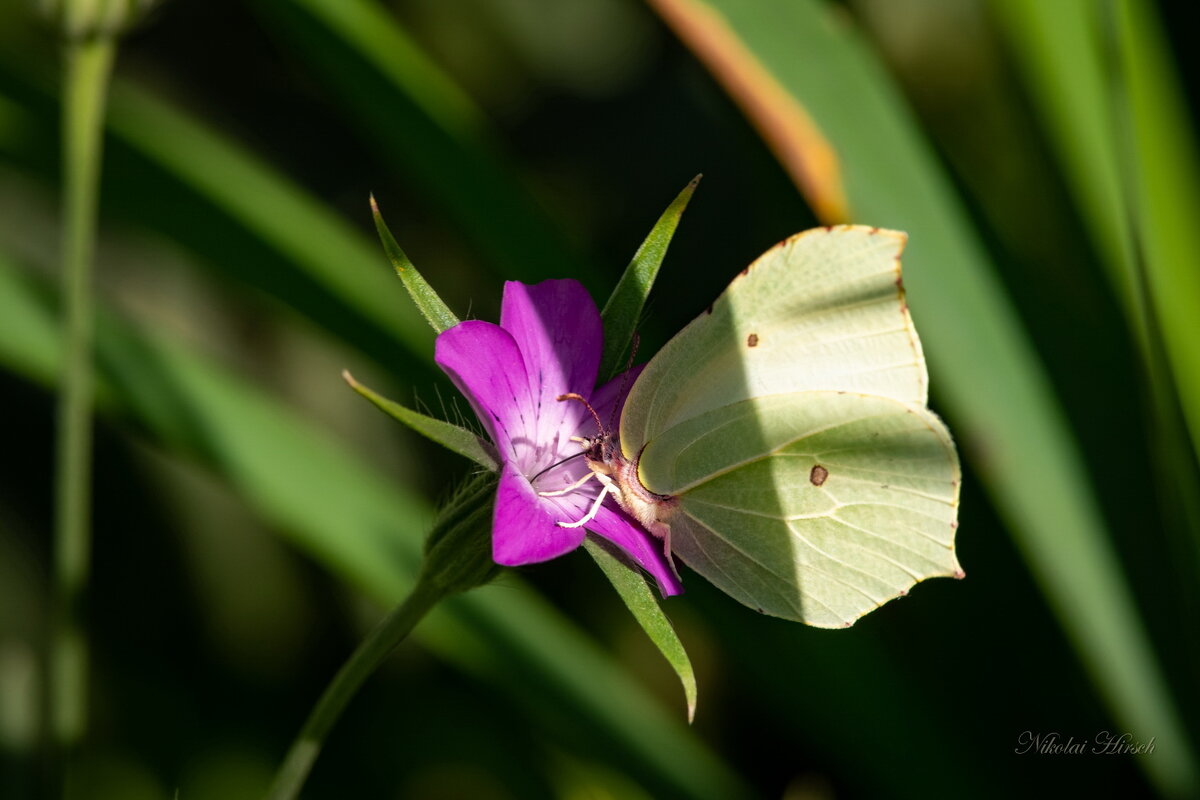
430	304
640	600
623	310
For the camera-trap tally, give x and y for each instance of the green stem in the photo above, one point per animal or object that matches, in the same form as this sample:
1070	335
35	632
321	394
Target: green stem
364	661
88	65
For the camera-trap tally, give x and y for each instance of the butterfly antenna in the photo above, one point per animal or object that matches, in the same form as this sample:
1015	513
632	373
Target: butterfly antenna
556	464
573	396
595	416
633	348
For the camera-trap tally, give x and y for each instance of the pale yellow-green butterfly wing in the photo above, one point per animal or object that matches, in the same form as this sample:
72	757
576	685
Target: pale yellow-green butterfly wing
822	310
790	422
814	506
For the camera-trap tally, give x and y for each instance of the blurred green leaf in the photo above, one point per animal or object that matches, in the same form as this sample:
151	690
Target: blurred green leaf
1059	49
452	437
1165	177
640	600
1069	57
427	126
338	258
623	310
428	302
203	180
366	529
983	367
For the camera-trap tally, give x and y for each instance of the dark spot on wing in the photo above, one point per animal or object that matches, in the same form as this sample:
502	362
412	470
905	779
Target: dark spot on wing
709	309
752	340
873	231
818	475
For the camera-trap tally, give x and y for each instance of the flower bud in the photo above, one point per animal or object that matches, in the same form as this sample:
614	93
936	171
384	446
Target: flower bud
458	552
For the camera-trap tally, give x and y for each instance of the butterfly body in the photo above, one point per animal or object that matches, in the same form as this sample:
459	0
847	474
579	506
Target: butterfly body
652	510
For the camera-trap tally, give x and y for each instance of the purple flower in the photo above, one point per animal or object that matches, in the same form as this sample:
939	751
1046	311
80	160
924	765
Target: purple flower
547	344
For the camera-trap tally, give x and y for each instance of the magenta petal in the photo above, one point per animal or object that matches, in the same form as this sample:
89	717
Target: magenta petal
609	401
645	550
523	528
557	328
483	361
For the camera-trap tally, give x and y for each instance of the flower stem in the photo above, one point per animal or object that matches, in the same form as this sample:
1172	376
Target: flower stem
88	65
365	660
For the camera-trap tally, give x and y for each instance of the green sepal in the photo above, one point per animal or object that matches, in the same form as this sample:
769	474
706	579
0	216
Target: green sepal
431	306
448	435
640	600
624	307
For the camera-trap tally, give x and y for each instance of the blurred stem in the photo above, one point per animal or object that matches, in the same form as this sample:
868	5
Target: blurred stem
88	66
362	663
458	557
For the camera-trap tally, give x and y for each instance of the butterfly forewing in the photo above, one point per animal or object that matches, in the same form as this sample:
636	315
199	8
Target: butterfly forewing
823	310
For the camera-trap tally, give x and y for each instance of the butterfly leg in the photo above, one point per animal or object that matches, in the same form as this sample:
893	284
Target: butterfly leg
663	531
608	489
569	489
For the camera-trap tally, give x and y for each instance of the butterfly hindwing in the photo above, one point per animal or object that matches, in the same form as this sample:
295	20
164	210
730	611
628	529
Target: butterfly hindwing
812	506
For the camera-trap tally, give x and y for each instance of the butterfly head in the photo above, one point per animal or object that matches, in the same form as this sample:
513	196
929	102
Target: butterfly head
601	448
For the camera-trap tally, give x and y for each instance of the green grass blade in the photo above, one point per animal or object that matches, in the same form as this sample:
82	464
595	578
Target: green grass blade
428	302
514	620
984	369
243	217
1069	58
367	530
448	435
640	600
623	310
1165	172
329	251
1059	50
428	128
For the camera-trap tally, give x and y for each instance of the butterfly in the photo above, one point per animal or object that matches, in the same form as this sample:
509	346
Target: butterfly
781	444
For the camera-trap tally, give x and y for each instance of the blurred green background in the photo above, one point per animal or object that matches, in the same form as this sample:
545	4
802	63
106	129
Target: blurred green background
253	517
